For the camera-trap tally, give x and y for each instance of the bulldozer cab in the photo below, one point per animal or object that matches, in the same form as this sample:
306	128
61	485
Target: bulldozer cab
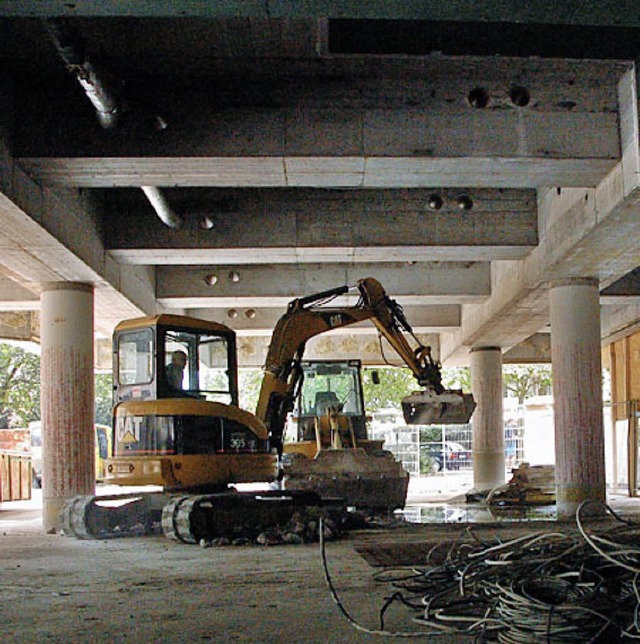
170	356
328	386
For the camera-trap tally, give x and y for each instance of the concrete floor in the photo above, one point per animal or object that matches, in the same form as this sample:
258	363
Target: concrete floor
57	589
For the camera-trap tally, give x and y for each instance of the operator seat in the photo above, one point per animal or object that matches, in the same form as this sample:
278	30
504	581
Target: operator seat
324	400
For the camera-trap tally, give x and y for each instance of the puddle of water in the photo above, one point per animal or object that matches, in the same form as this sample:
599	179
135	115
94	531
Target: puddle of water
448	513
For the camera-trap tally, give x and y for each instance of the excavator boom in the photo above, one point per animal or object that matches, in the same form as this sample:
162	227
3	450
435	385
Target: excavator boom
309	316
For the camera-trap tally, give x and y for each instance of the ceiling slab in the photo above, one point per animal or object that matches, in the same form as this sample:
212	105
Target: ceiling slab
605	12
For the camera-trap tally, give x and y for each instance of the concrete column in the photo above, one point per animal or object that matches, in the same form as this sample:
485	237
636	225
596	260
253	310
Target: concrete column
67	398
488	423
577	393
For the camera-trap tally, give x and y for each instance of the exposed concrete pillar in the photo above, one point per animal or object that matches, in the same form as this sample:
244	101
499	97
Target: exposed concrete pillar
67	397
577	393
488	423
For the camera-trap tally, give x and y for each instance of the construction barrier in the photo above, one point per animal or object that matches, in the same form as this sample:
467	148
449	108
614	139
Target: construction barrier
15	476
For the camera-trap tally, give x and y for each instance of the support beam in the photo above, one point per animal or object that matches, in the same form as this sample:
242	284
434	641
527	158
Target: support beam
308	225
261	321
536	349
66	396
275	286
378	124
488	423
577	394
51	235
252	350
582	232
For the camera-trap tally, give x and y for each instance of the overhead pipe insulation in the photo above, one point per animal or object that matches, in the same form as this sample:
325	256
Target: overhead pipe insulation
71	49
162	207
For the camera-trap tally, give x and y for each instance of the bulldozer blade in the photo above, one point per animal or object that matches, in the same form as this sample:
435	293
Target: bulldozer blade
372	481
429	408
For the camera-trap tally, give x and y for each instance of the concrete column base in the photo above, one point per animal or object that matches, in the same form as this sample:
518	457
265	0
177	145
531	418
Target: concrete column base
570	496
488	470
51	508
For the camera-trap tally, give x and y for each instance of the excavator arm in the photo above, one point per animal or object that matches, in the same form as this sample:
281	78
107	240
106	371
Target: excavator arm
308	316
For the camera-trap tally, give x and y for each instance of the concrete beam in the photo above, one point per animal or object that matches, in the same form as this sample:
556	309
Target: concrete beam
262	320
309	225
583	233
378	124
20	325
15	297
571	12
52	235
252	351
534	350
259	286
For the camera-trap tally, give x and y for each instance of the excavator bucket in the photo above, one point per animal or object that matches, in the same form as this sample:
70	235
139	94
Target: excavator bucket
428	408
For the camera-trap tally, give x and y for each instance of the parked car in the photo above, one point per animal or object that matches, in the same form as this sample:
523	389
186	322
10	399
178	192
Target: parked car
454	456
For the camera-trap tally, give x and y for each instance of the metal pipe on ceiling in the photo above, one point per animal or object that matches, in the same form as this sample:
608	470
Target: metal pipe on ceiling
71	49
162	207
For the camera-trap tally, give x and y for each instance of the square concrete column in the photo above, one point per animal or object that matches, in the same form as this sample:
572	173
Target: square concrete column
488	423
67	398
577	393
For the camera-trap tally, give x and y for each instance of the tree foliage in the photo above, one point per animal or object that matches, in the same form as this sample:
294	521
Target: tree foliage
249	383
526	380
395	384
103	393
456	378
19	386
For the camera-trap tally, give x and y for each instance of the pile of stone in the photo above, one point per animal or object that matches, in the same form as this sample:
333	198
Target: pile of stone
302	527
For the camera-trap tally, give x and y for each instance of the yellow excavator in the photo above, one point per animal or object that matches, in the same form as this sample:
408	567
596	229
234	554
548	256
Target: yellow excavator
177	423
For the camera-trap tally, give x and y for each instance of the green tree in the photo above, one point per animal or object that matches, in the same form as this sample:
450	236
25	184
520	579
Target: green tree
249	383
19	386
456	378
103	393
395	384
525	380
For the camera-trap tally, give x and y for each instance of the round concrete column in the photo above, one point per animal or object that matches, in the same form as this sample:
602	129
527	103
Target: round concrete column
488	424
577	393
67	400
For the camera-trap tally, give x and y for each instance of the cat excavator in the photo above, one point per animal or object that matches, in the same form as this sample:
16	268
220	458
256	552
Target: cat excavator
189	435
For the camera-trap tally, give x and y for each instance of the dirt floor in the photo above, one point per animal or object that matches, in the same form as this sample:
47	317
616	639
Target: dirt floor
57	589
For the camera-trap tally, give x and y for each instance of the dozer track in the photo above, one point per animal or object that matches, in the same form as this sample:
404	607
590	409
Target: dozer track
188	518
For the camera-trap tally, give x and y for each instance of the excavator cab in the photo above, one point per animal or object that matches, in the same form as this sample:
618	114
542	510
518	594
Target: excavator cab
176	417
174	357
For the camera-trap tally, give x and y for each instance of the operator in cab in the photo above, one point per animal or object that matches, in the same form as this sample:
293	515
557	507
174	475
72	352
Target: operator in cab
175	370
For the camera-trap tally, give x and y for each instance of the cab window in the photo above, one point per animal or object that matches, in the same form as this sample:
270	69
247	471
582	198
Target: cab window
135	357
205	371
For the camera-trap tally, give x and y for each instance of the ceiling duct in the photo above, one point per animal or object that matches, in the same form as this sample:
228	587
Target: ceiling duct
162	207
71	48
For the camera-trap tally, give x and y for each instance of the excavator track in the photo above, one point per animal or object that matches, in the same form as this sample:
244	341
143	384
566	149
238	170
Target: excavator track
190	519
107	517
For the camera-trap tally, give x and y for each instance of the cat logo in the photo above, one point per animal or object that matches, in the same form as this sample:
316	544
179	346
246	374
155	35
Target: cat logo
128	429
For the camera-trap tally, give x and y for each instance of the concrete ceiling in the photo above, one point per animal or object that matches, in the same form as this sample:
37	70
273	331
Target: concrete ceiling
321	146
